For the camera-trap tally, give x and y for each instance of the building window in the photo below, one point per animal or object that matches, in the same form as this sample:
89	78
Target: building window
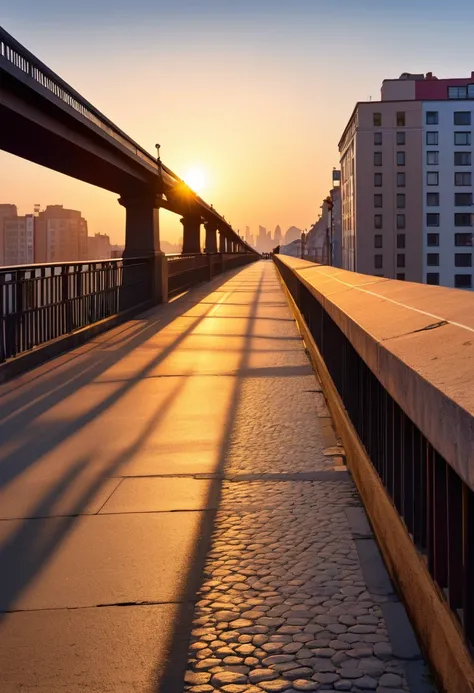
462	179
401	138
401	260
378	201
432	259
432	178
377	138
432	158
400	180
432	278
400	201
457	92
378	240
432	240
400	221
377	120
462	260
401	276
377	158
431	137
432	199
463	239
378	180
401	119
400	240
432	117
400	158
462	199
463	281
378	261
377	221
462	219
461	138
462	117
462	158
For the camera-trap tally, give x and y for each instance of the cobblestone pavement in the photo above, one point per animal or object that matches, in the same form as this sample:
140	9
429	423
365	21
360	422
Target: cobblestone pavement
294	595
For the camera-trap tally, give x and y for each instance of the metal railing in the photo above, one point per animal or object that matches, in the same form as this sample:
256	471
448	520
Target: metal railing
435	504
39	303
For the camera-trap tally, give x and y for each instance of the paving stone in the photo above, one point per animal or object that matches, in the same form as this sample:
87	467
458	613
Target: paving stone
350	672
305	685
277	659
223	678
391	681
275	686
367	683
342	685
328	678
258	675
207	663
240	623
299	673
197	678
382	650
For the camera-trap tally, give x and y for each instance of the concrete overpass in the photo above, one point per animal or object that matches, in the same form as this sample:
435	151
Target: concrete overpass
49	123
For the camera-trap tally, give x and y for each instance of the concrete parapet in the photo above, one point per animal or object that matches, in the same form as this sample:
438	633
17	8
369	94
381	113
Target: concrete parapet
419	342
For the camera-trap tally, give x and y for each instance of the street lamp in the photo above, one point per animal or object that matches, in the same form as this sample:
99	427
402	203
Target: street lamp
303	243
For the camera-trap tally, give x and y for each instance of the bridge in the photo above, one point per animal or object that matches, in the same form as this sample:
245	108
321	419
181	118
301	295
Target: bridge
218	474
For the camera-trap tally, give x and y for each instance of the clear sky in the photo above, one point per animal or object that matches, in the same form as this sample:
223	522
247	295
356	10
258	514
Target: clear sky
253	94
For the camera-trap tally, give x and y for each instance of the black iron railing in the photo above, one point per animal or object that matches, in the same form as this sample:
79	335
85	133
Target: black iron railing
436	505
40	303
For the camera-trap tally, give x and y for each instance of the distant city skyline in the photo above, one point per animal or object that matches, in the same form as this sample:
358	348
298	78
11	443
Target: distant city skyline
268	155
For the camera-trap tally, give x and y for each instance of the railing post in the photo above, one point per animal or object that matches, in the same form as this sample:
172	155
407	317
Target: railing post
2	318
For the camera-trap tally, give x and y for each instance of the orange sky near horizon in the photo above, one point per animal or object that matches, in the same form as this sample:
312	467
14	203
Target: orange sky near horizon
257	102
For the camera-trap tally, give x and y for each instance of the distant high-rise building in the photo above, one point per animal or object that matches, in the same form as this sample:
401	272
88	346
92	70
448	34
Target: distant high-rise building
277	235
292	234
6	211
407	183
18	240
60	235
262	243
98	247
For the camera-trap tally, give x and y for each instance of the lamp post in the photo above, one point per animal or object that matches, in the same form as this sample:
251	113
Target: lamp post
303	243
329	232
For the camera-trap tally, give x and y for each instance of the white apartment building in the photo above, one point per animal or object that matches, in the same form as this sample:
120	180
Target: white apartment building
406	182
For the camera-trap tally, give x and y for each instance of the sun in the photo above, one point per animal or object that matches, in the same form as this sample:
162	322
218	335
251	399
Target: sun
196	179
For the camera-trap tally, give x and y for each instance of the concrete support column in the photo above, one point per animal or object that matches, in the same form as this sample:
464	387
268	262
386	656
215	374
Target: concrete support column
142	240
191	234
211	237
222	243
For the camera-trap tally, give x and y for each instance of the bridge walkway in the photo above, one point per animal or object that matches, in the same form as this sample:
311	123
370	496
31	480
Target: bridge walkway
174	503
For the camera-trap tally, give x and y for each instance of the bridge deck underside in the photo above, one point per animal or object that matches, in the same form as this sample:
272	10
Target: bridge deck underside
193	442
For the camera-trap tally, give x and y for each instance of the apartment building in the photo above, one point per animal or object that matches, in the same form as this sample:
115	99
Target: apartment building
60	235
406	182
16	237
98	247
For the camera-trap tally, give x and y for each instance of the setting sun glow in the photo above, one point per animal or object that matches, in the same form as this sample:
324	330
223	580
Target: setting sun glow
196	179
